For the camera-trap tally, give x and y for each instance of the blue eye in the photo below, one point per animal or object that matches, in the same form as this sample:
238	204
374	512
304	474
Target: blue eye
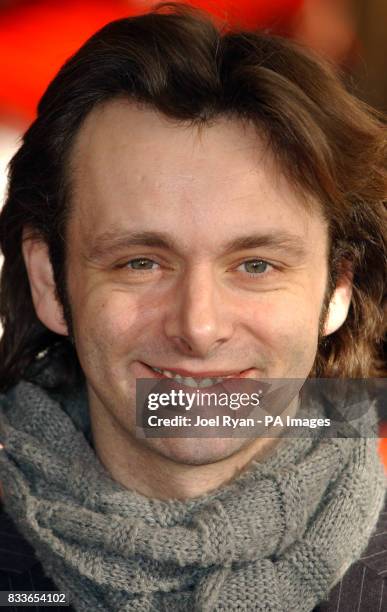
141	263
255	267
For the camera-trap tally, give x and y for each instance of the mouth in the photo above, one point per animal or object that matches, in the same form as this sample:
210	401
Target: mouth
200	379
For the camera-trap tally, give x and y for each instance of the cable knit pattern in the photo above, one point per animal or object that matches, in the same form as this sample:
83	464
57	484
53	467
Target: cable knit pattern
275	539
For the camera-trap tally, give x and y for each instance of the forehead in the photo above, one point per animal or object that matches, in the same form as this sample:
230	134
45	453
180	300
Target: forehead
152	147
131	165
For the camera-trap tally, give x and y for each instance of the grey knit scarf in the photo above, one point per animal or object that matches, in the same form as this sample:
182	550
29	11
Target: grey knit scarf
275	539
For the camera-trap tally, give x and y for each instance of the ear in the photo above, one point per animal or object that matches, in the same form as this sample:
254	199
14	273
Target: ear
340	301
42	284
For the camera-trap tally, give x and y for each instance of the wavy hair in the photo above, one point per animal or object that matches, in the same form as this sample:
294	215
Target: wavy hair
176	60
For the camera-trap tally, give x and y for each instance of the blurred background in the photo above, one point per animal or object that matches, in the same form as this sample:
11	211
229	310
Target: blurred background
37	36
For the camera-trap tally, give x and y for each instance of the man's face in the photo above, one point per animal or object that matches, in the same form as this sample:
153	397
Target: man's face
187	251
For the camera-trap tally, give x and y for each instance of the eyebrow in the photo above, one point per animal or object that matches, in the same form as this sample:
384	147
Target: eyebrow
111	242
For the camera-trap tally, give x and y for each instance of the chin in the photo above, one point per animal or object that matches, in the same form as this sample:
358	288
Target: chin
196	451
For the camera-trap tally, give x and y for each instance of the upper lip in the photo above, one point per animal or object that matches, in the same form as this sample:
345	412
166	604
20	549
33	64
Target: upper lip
208	373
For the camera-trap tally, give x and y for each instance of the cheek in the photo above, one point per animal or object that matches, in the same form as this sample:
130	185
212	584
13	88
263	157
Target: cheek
110	320
283	322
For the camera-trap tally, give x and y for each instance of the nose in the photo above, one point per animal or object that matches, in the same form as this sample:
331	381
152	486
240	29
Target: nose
199	319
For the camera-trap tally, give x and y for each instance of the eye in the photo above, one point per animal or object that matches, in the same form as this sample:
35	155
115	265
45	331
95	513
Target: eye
141	264
255	267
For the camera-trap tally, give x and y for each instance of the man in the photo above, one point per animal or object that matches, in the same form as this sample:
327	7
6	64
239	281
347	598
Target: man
190	207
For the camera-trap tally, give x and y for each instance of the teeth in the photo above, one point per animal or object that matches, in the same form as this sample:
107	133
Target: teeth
207	382
189	381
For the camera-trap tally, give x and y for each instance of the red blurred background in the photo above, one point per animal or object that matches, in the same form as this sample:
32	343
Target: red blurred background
36	37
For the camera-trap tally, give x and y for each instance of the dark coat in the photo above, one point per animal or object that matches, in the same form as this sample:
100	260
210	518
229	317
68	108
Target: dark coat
362	589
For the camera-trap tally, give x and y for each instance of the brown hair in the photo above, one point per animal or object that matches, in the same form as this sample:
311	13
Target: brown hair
175	60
